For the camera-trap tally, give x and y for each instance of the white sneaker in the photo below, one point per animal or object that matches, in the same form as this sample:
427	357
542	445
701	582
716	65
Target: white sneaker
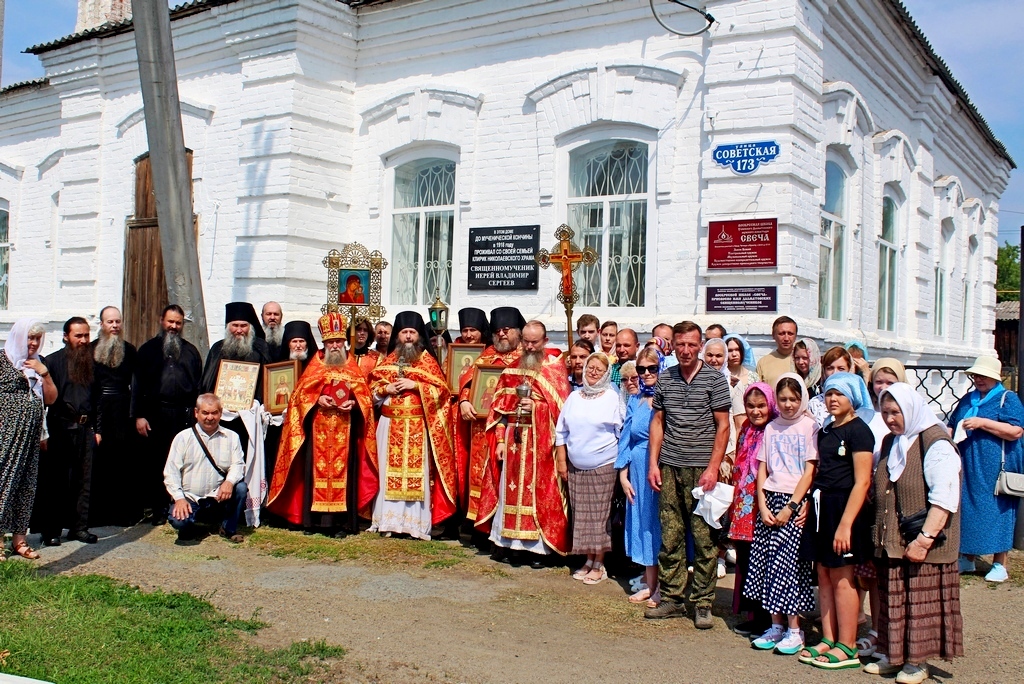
791	644
882	666
772	636
721	568
913	674
730	556
997	574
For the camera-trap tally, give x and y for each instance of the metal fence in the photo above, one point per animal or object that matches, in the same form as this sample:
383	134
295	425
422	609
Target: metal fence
943	386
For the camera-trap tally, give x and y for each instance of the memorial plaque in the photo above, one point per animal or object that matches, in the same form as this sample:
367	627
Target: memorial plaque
503	258
729	299
749	243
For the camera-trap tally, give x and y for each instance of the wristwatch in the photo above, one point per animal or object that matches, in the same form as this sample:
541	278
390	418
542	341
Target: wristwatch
794	506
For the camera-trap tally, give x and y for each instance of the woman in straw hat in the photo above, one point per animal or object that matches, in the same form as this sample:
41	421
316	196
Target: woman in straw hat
986	424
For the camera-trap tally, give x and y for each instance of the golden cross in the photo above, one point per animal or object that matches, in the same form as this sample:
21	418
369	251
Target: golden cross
566	258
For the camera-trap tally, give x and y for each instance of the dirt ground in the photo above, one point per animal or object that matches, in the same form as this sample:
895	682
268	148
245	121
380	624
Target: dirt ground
412	620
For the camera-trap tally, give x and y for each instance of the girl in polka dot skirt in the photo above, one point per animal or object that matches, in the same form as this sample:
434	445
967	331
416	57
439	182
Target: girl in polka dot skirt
778	579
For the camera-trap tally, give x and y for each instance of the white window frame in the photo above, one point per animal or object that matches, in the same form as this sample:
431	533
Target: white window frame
6	246
942	278
889	265
591	135
392	163
829	240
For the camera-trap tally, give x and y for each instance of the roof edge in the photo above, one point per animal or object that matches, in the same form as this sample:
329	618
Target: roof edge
939	67
116	28
25	85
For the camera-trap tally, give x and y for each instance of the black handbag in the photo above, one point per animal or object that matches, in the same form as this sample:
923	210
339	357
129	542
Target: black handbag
912	525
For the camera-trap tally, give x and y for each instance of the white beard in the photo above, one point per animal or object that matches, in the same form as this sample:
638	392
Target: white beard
237	348
334	357
531	361
298	355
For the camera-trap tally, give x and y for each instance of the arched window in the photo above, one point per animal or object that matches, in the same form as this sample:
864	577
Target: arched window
5	253
887	274
607	208
423	222
832	244
946	234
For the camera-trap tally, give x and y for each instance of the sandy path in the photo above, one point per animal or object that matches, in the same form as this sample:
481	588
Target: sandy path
478	623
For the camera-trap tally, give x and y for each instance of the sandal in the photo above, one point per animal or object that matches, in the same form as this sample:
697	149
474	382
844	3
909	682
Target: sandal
640	596
832	661
866	645
596	580
583	572
815	651
26	551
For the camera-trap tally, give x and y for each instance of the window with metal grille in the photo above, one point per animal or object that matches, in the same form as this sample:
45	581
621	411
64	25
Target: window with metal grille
5	255
607	207
423	223
832	244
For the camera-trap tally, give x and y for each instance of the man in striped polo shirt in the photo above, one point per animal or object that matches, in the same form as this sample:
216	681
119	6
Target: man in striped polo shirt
689	434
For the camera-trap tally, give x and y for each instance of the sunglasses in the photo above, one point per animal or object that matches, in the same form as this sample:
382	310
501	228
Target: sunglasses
653	370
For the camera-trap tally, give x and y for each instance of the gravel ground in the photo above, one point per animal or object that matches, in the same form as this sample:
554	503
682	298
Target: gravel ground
477	622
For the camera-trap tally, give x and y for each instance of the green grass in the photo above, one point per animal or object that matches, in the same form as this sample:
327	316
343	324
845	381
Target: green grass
366	547
87	628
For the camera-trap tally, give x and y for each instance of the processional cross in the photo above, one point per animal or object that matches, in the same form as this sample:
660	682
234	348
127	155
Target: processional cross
566	257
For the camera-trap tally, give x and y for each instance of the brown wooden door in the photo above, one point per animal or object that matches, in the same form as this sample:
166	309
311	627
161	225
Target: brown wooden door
145	288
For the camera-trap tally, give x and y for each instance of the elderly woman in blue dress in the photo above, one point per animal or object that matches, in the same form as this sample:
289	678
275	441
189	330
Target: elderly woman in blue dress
986	424
643	527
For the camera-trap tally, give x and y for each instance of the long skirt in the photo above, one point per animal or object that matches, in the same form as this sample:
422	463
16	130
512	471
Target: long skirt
920	611
590	495
21	421
777	578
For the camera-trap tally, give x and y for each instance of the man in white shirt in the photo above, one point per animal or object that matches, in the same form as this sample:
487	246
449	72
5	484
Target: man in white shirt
204	473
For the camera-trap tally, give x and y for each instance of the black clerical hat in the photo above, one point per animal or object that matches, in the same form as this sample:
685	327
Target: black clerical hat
507	317
475	318
244	311
410	319
293	330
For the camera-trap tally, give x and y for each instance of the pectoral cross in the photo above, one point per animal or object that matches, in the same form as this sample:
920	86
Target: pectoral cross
402	365
566	257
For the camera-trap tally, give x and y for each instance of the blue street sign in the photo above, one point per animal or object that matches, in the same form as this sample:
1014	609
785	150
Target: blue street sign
744	158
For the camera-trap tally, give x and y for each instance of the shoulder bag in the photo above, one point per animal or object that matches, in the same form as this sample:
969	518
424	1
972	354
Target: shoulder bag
206	452
1008	484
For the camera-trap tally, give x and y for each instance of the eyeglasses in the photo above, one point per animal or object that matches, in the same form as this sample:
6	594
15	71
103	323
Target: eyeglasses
653	370
630	378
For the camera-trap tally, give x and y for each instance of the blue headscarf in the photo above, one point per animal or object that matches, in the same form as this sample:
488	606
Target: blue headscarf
748	353
859	345
851	386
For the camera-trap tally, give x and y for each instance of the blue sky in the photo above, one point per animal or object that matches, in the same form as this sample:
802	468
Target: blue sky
979	40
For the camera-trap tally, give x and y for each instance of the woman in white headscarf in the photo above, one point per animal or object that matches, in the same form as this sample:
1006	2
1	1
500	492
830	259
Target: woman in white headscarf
586	446
25	385
916	538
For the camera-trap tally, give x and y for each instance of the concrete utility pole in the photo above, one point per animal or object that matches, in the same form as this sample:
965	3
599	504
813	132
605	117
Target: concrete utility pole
1020	323
171	183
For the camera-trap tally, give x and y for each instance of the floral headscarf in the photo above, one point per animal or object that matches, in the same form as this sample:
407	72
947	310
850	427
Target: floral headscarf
645	389
744	473
592	390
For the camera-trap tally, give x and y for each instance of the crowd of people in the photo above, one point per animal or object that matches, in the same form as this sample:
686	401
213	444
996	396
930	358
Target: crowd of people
803	469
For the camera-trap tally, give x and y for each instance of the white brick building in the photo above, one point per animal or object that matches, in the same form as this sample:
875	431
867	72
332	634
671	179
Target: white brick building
316	122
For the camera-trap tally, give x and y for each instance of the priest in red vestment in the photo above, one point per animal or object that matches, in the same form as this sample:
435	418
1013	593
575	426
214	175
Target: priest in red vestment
325	475
522	501
414	434
470	435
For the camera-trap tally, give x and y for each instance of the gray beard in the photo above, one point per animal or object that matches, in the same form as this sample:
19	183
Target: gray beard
298	355
334	357
237	348
275	335
172	345
109	351
531	361
409	353
503	346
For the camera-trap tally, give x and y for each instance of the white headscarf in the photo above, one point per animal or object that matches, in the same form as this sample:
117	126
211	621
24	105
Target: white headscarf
804	399
601	385
724	370
16	348
917	417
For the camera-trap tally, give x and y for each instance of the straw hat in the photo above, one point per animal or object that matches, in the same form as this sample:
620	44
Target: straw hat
987	366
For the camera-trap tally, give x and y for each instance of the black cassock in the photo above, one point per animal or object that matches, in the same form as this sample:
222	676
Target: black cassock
164	392
260	354
65	468
114	469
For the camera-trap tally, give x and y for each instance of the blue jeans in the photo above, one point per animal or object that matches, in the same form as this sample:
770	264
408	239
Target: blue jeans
232	510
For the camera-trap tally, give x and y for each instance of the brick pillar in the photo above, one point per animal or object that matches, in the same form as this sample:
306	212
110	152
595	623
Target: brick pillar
93	13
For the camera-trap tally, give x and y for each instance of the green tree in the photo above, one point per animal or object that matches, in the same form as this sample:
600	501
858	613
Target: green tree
1008	273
